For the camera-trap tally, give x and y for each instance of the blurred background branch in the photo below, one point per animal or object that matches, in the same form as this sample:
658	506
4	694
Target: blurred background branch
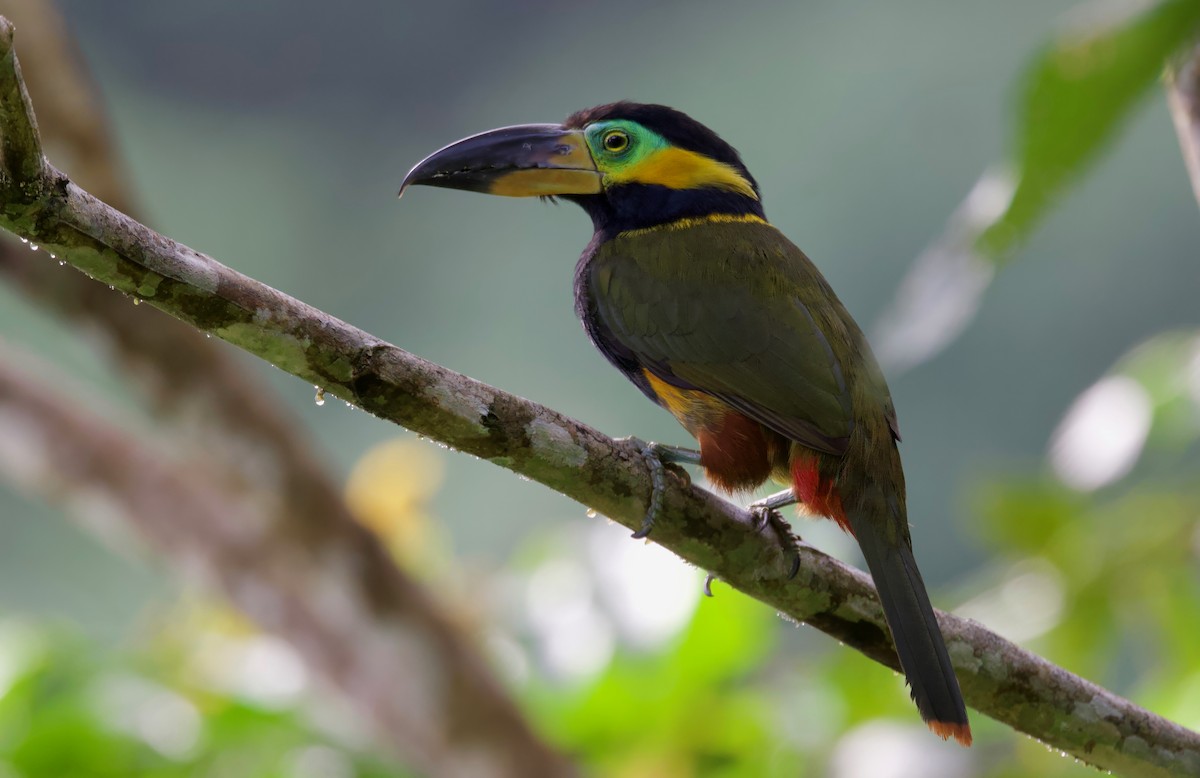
305	588
1183	95
331	577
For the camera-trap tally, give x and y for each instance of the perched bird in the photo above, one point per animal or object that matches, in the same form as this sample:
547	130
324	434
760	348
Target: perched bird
716	316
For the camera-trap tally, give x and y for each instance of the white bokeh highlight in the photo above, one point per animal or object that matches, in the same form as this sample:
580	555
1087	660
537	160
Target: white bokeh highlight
574	638
166	721
1027	603
1192	374
649	592
258	667
882	749
1103	433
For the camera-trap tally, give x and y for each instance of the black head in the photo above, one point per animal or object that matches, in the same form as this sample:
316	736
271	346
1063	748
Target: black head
684	169
629	165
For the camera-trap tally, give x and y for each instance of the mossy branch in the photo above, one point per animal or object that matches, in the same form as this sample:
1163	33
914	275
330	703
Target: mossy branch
998	678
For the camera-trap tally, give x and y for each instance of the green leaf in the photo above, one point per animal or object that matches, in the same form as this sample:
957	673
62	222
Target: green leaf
1023	515
696	708
1075	95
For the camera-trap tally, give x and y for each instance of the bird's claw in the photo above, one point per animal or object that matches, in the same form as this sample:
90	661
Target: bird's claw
765	514
650	451
658	457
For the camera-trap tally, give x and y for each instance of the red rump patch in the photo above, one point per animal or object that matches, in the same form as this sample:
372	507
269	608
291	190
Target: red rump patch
817	494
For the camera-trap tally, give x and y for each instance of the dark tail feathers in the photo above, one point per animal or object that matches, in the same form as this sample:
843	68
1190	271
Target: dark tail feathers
919	643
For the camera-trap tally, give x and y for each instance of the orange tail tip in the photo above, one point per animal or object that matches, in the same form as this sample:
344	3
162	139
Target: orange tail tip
946	730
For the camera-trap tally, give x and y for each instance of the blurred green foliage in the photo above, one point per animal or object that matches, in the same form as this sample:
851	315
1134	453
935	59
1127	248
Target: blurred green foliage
68	708
1075	96
691	709
1124	560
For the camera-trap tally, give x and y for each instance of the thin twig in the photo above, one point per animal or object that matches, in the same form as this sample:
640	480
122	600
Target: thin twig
20	143
942	290
998	678
1183	97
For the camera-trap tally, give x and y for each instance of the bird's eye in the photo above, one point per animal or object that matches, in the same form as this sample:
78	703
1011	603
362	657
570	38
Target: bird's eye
616	141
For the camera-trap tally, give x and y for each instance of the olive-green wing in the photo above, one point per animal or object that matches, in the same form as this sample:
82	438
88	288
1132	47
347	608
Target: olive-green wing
728	309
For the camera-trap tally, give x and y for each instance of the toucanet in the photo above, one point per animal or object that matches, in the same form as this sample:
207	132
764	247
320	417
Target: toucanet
716	316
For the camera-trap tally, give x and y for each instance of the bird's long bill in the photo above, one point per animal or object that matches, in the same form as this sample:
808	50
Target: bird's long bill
523	161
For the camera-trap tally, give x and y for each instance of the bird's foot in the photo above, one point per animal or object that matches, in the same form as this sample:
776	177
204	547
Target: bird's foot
773	502
766	512
658	456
